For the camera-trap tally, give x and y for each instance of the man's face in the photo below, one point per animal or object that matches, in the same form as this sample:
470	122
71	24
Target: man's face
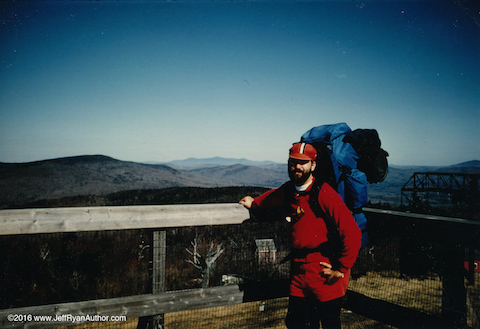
300	171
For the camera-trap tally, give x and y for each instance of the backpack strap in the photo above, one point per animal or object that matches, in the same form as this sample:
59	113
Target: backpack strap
334	246
318	211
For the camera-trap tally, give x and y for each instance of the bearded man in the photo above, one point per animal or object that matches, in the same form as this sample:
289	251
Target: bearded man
324	240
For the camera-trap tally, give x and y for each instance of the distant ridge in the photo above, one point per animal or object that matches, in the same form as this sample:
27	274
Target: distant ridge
473	163
469	167
87	175
192	163
245	175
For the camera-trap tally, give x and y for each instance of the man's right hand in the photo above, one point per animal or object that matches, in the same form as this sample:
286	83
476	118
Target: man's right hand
247	202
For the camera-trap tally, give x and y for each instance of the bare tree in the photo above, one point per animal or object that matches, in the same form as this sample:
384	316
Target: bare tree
204	263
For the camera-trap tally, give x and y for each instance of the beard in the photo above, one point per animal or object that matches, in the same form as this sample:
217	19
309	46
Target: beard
299	177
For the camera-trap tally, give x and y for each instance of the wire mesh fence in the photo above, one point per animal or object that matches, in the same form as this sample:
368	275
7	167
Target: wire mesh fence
69	267
398	268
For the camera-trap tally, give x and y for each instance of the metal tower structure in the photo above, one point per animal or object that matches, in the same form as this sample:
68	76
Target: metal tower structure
426	189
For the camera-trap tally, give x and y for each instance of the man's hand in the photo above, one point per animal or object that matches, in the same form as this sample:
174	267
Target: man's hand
332	276
247	202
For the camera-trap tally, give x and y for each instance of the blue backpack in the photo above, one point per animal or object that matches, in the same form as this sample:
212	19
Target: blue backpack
347	160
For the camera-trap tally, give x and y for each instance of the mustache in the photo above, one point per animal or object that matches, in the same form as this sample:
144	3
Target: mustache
295	172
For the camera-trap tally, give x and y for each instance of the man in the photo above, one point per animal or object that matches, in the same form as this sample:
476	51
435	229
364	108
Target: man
324	238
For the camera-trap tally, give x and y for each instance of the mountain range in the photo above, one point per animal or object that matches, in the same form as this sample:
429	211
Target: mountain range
193	163
22	183
88	175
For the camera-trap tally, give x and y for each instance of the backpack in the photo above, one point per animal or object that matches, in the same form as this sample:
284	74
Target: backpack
347	160
372	158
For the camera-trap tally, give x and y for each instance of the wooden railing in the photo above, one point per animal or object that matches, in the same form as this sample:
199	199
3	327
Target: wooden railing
81	219
157	218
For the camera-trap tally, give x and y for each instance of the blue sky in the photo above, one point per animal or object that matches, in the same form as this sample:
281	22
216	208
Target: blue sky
162	81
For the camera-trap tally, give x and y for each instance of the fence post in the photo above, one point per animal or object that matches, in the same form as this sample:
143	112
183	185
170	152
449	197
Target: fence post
454	298
158	254
158	270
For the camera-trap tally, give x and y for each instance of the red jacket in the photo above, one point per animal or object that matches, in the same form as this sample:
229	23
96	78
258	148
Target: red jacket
308	233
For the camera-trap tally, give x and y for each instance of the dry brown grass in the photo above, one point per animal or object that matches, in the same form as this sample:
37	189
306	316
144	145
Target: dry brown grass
420	294
262	314
424	295
249	315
